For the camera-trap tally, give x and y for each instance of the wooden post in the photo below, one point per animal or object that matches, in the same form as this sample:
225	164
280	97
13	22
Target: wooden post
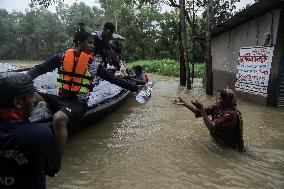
193	40
182	68
186	71
208	56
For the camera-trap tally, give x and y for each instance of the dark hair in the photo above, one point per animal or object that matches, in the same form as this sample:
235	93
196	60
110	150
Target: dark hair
14	85
109	26
138	68
228	97
223	94
81	35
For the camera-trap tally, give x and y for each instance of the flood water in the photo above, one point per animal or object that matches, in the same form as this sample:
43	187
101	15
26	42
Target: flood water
161	145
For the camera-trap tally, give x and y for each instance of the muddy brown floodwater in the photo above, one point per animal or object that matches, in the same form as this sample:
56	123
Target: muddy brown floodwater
161	145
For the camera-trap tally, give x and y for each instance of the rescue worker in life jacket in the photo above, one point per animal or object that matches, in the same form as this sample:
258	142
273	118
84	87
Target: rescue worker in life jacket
77	69
28	151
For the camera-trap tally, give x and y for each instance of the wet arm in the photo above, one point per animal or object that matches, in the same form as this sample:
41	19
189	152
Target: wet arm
191	108
142	81
52	159
53	162
47	66
208	110
208	123
204	112
106	75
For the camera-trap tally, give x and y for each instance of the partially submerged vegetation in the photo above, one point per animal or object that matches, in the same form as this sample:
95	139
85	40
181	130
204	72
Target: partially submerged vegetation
166	67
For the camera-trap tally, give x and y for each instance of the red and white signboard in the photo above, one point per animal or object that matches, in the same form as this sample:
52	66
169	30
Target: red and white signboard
253	70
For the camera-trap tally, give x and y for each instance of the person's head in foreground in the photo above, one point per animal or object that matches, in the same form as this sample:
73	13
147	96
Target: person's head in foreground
17	96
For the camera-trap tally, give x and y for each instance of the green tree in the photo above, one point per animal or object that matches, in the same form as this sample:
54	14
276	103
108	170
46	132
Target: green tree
167	44
41	34
9	41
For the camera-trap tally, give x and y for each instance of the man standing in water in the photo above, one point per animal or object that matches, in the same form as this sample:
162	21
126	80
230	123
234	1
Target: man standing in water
28	151
102	49
226	125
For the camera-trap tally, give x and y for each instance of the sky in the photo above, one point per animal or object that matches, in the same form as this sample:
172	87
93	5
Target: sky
21	5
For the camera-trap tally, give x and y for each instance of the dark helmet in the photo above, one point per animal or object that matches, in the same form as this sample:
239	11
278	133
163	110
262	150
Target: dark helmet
13	84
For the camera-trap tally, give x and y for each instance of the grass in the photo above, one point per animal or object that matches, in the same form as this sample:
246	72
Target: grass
166	67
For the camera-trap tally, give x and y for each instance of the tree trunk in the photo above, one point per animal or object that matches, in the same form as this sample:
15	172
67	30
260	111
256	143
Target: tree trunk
208	56
193	40
185	73
182	69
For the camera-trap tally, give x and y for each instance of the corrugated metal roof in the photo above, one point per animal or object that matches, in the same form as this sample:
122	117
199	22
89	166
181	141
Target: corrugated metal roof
247	14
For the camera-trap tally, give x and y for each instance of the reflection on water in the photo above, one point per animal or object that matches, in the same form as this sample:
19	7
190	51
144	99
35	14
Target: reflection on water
161	145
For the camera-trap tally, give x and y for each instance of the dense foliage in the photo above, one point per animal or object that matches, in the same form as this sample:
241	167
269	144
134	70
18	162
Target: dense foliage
39	33
150	33
166	67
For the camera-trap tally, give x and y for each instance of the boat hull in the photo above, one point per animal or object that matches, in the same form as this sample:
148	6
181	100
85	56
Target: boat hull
97	112
93	113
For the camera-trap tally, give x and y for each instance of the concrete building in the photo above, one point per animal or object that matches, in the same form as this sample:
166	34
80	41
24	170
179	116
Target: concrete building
254	29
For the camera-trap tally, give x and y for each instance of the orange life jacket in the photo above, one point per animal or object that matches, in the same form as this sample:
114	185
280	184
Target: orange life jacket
73	74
